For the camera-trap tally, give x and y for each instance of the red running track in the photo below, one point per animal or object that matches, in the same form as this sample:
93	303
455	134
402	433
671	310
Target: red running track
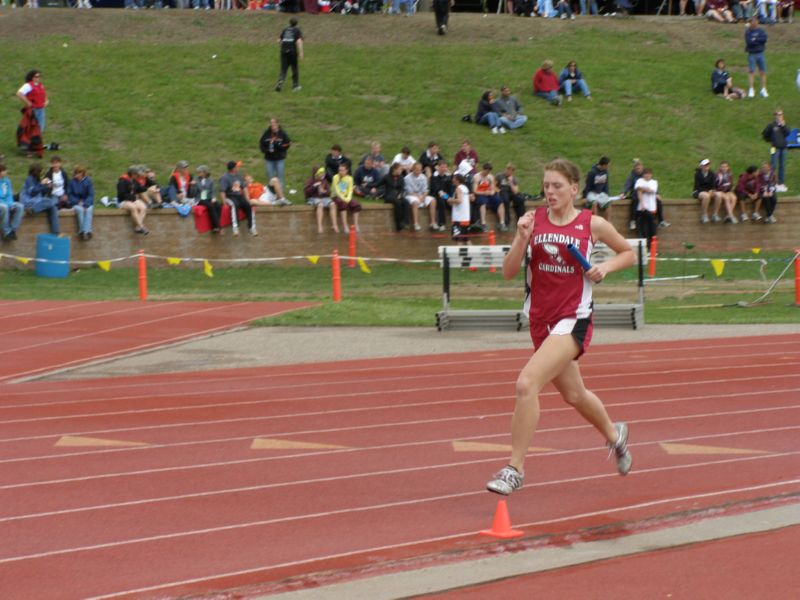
195	508
39	336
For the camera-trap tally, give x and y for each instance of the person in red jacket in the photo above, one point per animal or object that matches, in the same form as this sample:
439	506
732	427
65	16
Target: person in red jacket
545	84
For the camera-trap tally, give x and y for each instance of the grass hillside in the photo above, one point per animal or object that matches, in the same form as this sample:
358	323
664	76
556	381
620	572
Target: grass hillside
142	87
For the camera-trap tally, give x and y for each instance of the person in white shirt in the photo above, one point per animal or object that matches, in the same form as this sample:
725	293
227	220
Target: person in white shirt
416	189
405	160
59	182
646	189
459	202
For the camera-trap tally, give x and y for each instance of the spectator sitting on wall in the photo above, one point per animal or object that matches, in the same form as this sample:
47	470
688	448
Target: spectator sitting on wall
595	191
180	184
718	10
441	188
430	158
318	194
130	201
417	194
466	152
545	84
36	196
333	160
571	78
767	188
58	180
511	111
699	5
206	197
394	193
508	187
378	160
747	191
148	189
259	194
704	192
485	190
722	83
342	196
81	200
233	191
564	10
487	113
367	181
11	211
723	186
405	160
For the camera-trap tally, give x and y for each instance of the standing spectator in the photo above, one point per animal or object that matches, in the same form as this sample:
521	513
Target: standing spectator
33	95
36	196
441	8
417	194
274	144
405	160
11	211
441	188
130	201
766	193
722	83
459	216
647	192
485	190
394	193
723	186
206	197
58	182
511	112
595	190
486	113
755	41
704	182
776	133
318	194
334	159
233	191
81	200
430	158
342	196
367	181
571	78
181	182
545	84
747	191
508	187
378	160
291	43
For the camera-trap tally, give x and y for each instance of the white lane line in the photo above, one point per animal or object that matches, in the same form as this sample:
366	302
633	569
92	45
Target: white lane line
350	476
393	425
61	306
88	315
386	505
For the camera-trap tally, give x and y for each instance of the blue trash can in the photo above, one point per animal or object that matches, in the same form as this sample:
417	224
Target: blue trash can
52	247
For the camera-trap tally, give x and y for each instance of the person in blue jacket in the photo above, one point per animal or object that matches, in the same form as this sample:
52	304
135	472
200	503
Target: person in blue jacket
81	199
35	196
572	78
755	42
11	211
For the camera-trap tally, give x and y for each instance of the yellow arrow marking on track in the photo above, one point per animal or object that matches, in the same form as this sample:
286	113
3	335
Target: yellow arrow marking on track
268	444
71	441
692	449
483	447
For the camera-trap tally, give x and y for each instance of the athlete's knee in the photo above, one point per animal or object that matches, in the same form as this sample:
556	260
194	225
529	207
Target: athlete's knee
527	387
574	397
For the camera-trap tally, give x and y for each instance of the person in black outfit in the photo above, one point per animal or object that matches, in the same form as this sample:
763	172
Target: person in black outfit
291	42
704	190
776	133
441	8
333	160
441	188
393	186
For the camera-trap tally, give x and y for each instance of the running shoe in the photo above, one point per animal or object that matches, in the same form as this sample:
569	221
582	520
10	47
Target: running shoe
505	481
620	449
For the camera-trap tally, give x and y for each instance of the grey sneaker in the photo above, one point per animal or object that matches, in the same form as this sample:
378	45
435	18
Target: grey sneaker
620	449
505	481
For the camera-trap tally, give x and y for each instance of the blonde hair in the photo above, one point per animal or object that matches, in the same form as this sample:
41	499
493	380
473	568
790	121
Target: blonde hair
567	168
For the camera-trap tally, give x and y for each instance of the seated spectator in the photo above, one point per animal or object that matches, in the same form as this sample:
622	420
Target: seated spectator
646	191
460	213
699	6
205	197
148	189
592	6
333	160
378	160
441	188
36	196
342	196
367	181
723	186
595	191
511	112
508	187
318	194
717	10
466	153
59	181
785	11
487	113
722	83
81	200
747	191
564	10
405	160
767	11
572	78
704	191
265	195
233	191
394	193
130	201
417	194
180	184
767	188
410	6
741	9
545	84
11	211
486	194
430	158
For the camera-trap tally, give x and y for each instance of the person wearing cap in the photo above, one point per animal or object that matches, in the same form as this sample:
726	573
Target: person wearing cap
181	184
704	184
291	43
545	84
274	144
233	192
205	196
595	190
318	194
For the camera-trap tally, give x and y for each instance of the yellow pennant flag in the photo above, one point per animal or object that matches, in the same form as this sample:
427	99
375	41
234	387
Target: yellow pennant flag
313	259
104	264
208	269
173	261
23	260
363	266
718	265
756	250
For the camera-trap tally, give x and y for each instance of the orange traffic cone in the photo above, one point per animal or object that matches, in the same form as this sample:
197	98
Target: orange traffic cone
501	526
